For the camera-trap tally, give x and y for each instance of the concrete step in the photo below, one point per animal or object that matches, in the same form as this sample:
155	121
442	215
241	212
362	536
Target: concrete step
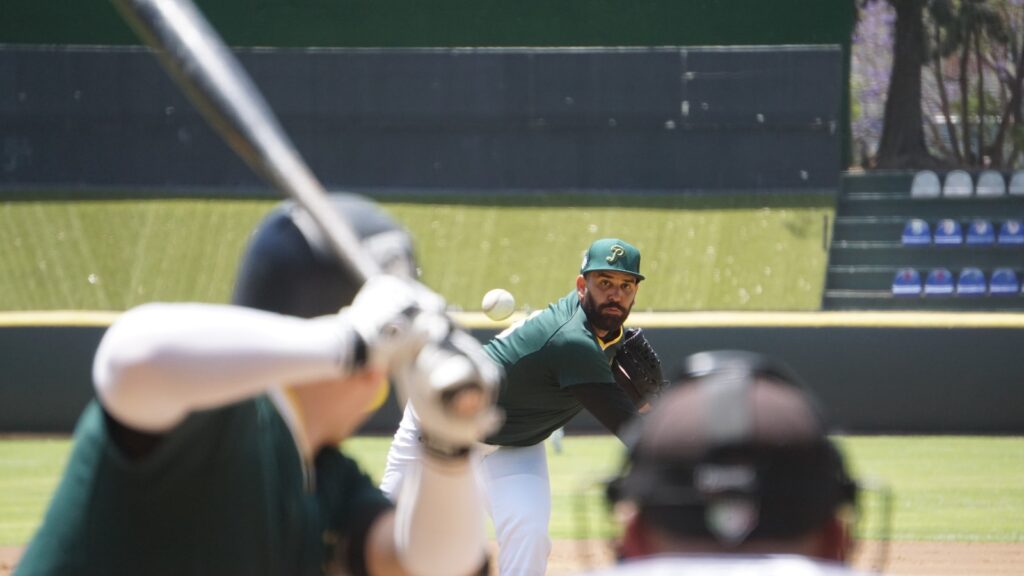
870	253
884	300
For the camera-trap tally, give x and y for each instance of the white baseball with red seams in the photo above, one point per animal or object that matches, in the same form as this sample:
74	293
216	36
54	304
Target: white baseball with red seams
498	304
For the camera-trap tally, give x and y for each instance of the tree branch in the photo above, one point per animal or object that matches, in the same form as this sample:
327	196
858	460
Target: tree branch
940	84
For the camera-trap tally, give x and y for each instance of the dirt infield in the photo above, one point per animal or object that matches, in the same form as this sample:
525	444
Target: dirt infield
8	558
905	558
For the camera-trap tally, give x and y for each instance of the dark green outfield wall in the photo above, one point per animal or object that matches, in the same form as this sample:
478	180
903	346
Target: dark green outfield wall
870	380
441	119
447	23
410	23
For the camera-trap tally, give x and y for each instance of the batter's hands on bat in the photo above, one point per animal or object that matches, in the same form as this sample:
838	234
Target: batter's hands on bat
441	369
394	318
453	386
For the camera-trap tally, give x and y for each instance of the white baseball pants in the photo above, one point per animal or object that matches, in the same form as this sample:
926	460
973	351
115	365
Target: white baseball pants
518	491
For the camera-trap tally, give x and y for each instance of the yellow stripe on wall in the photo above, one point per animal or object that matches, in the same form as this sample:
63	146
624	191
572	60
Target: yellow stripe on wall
83	318
849	319
792	320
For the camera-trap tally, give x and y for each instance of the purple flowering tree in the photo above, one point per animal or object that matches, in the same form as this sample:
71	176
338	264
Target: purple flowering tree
869	71
939	83
902	144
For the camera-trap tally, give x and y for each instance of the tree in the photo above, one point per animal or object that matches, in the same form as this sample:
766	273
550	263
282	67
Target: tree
971	100
902	144
977	35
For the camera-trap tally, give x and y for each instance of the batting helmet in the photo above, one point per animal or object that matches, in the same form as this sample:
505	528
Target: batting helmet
289	267
737	450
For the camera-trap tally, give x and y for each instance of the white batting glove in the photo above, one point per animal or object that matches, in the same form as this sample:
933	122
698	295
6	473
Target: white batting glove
387	315
453	386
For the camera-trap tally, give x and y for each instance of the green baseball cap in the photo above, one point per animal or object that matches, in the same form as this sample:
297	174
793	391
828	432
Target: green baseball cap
613	255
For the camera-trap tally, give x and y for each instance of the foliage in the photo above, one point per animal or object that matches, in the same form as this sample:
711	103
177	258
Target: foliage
871	62
977	64
972	84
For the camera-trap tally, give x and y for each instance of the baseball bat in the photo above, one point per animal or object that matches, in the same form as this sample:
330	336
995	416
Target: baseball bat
211	76
206	70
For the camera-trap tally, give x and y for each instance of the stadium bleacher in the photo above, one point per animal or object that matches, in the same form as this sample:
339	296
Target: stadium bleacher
980	232
971	282
958	184
939	282
926	184
907	282
948	233
916	232
1011	232
1016	187
991	184
1003	282
954	239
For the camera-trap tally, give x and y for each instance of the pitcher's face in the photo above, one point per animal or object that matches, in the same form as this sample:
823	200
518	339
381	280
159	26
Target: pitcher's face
607	298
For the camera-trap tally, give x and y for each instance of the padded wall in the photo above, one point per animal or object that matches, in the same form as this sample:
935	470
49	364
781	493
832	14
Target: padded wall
759	118
929	380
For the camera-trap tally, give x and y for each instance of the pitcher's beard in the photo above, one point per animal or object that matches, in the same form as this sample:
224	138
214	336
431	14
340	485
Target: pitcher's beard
601	321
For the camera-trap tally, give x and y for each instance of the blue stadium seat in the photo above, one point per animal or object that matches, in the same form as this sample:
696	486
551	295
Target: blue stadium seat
958	184
907	282
971	282
916	232
939	282
947	232
991	184
926	184
980	232
1003	282
1011	232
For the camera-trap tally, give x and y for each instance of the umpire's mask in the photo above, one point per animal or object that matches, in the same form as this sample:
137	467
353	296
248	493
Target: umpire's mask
735	451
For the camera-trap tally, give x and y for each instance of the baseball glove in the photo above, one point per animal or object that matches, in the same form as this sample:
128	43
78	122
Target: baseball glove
637	369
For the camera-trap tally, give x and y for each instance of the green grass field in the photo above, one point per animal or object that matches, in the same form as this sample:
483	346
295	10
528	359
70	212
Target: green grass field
968	489
720	252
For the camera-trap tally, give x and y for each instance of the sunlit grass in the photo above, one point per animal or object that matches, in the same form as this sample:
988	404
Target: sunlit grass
723	252
29	471
946	488
111	255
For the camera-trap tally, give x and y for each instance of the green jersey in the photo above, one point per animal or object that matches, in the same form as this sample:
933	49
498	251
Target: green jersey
543	357
224	493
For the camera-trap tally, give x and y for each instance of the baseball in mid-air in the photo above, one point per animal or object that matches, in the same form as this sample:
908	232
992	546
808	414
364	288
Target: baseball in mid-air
498	304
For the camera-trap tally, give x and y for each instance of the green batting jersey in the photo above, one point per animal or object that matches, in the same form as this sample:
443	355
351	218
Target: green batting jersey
224	493
543	357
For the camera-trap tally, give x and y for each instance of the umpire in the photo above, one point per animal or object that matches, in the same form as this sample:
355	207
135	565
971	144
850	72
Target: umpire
557	362
733	473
